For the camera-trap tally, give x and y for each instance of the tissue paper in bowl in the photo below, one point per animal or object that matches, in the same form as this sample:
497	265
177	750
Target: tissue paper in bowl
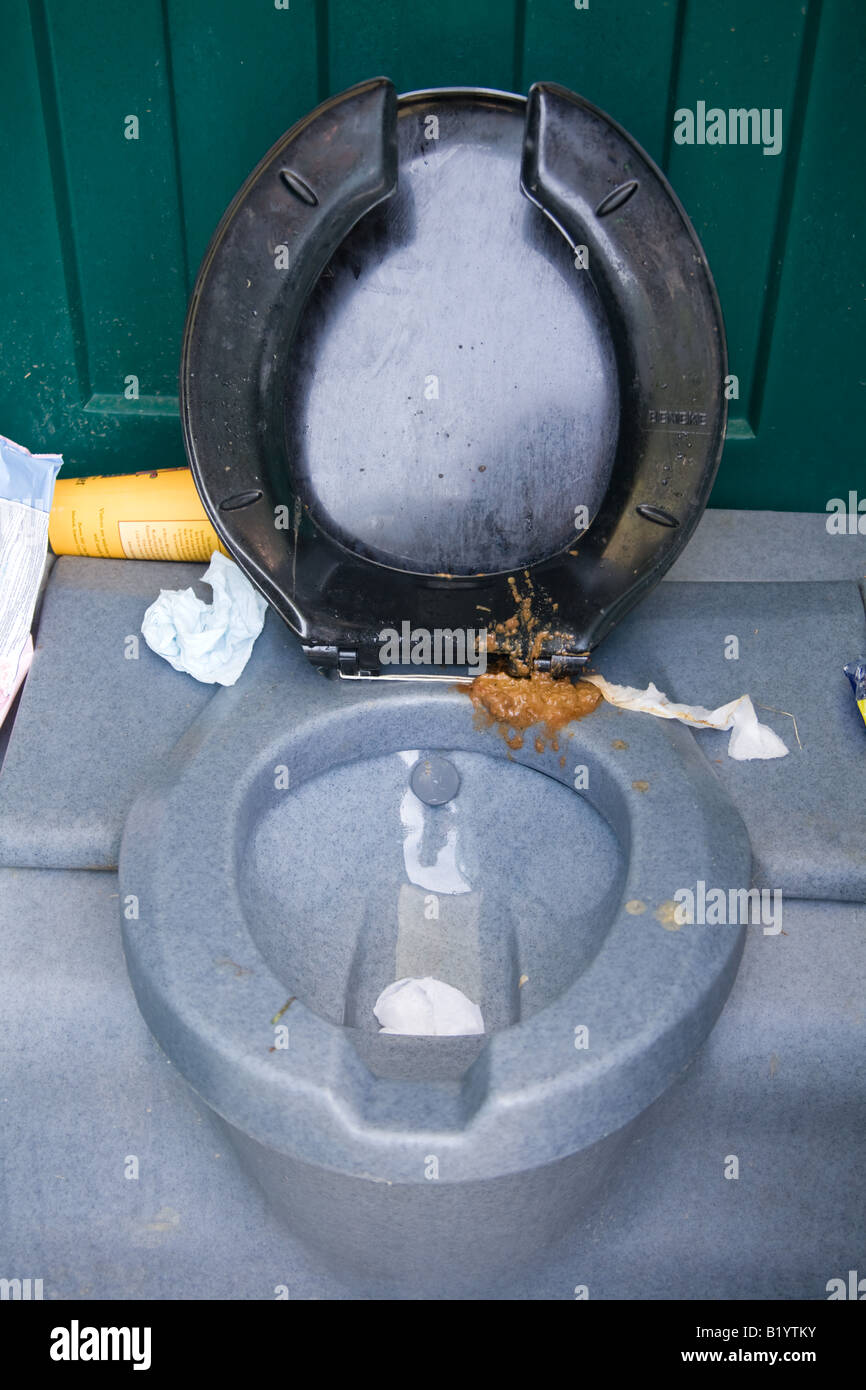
427	1007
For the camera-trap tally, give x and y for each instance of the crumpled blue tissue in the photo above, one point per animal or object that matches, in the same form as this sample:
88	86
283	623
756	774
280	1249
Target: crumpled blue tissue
210	641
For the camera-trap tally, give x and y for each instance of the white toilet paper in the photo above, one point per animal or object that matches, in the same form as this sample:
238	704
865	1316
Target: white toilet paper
749	739
211	641
26	490
426	1007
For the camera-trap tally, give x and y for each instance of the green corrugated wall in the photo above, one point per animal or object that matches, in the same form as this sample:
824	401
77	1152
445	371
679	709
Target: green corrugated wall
101	234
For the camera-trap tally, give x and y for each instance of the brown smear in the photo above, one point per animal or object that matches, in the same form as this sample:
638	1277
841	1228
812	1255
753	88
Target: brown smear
520	697
518	640
514	704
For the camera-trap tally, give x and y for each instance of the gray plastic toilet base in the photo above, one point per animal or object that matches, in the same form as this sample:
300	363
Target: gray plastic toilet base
84	1086
438	1239
773	1084
298	851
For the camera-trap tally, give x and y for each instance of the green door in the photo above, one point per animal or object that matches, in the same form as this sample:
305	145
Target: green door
128	128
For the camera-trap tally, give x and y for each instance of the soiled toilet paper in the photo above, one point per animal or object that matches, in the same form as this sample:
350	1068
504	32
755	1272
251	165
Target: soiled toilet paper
426	1007
211	641
749	738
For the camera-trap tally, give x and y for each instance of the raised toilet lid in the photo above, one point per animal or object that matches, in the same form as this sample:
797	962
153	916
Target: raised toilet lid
448	350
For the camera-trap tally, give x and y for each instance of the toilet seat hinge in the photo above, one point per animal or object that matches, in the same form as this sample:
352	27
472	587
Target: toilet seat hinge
561	663
332	657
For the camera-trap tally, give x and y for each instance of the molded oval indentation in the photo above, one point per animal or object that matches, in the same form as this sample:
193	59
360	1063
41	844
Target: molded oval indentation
241	499
295	184
656	514
616	198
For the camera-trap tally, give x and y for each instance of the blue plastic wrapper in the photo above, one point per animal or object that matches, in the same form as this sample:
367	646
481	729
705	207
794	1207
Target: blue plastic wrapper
27	478
26	489
856	673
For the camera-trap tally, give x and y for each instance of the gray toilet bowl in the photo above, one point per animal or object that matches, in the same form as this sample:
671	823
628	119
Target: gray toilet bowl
283	856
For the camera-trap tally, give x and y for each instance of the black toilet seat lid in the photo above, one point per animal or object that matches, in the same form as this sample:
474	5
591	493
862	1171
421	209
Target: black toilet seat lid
449	358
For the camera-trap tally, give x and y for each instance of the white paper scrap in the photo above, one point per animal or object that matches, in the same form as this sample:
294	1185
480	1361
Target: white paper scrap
210	641
749	738
427	1008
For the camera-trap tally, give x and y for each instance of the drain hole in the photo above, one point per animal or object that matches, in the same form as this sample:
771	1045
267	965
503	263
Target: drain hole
242	499
656	514
434	780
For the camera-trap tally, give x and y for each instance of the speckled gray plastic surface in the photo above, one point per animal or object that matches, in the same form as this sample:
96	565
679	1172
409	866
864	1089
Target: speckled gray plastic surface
312	870
766	547
85	1088
97	713
93	724
805	813
776	1083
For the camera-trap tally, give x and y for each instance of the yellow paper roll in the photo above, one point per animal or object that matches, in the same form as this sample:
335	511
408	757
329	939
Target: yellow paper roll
135	516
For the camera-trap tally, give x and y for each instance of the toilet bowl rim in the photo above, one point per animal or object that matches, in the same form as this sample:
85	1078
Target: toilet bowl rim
513	1060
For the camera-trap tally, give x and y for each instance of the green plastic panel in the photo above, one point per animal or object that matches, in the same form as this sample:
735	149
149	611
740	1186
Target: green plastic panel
128	128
